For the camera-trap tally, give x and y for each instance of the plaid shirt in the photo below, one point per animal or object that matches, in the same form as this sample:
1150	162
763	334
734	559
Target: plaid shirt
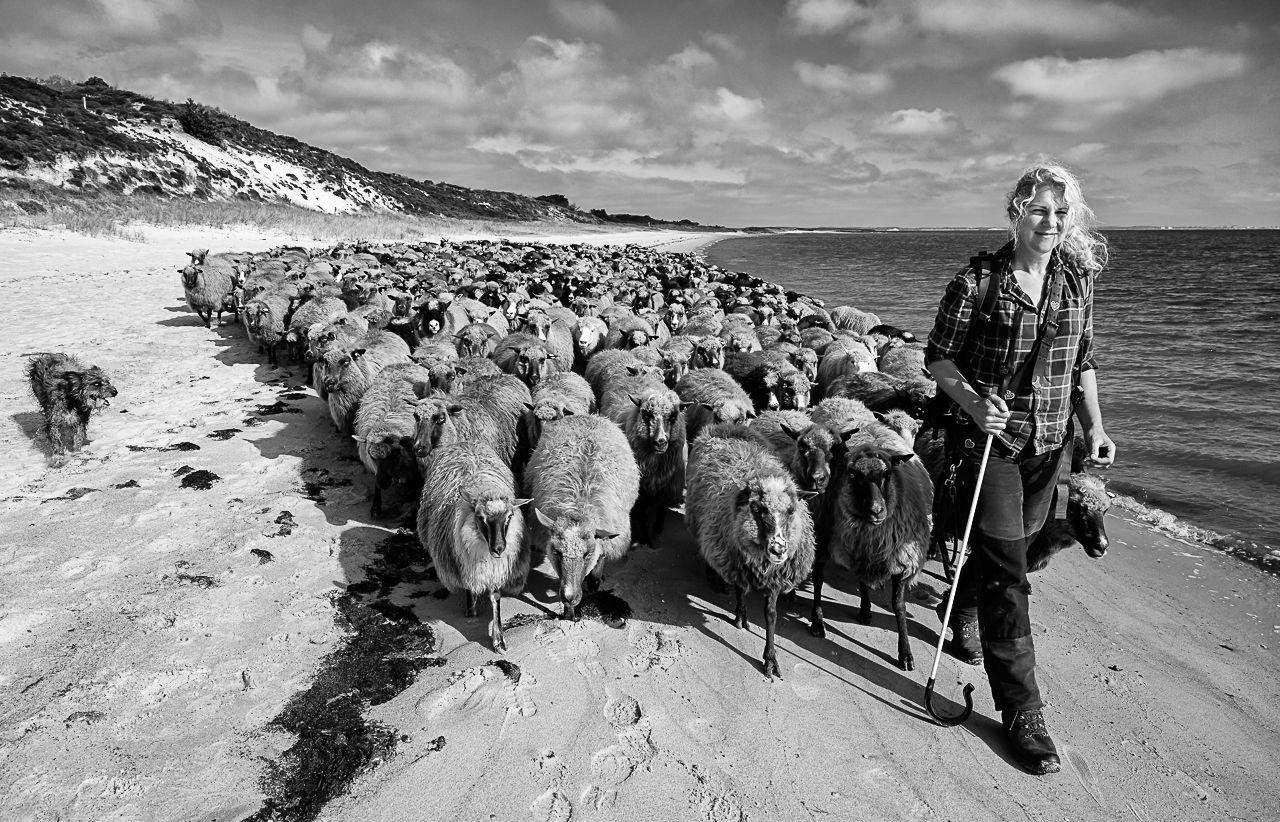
1041	412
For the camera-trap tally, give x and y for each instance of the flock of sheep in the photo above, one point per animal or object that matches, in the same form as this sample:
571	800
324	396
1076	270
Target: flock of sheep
556	401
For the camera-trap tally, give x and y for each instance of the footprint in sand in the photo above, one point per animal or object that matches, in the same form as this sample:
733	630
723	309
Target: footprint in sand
551	771
569	642
655	648
612	766
552	806
724	808
479	688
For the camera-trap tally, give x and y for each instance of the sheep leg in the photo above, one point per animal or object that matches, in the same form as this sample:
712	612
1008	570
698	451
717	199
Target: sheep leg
659	521
770	619
375	507
495	624
864	612
471	605
740	611
640	536
905	660
817	626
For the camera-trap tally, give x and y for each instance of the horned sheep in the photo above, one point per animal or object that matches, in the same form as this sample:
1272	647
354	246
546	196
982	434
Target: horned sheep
470	523
652	417
876	523
349	372
584	482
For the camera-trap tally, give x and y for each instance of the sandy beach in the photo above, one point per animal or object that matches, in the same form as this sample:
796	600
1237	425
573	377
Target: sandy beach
170	593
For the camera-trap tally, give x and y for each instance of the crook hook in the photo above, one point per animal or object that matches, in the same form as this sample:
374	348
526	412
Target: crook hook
949	721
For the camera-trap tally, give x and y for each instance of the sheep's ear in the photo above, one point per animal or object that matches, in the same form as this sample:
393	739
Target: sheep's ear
926	372
602	534
528	406
517	503
568	412
639	403
744	496
359	438
546	521
454	409
846	433
635	372
357	353
897	459
806	494
708	406
789	431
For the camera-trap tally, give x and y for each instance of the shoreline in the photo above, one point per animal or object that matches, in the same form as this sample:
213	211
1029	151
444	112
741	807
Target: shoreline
169	244
163	633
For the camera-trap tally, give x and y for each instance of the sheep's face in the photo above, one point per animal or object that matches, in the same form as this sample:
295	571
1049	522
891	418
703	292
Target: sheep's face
793	392
733	412
341	367
676	318
472	342
433	424
1087	506
589	337
814	448
532	365
396	462
709	353
766	511
635	338
575	550
870	472
538	324
493	517
806	359
743	341
658	419
512	305
674	367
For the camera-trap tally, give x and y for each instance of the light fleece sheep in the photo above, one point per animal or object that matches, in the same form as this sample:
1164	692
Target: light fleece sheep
751	525
209	285
713	397
348	372
385	425
584	482
469	521
487	410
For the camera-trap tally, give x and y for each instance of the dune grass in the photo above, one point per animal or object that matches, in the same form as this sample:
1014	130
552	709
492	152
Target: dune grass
127	216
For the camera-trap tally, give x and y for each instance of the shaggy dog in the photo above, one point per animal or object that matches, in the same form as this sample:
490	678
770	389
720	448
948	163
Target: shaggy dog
68	391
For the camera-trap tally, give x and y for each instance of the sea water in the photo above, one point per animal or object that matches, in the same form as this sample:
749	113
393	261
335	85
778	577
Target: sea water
1187	327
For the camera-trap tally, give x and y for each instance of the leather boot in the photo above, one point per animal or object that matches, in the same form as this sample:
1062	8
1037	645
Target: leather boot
1029	740
966	641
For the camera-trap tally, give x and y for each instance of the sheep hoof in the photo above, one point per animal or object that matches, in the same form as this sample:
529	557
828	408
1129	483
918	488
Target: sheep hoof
500	645
771	669
740	623
907	663
818	628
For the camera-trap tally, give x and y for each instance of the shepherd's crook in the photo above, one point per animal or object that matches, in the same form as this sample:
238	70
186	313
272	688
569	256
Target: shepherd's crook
952	721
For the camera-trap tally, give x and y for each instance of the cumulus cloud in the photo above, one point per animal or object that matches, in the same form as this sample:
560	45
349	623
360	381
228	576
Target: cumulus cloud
914	122
825	16
1069	20
376	72
586	16
692	57
732	107
841	80
726	44
1112	85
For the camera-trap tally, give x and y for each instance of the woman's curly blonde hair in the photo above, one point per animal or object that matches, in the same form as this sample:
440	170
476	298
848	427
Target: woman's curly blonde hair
1081	245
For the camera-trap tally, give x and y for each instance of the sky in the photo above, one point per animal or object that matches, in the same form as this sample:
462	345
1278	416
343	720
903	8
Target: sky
912	113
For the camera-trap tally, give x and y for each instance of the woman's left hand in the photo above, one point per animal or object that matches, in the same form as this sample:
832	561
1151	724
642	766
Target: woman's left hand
1100	450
